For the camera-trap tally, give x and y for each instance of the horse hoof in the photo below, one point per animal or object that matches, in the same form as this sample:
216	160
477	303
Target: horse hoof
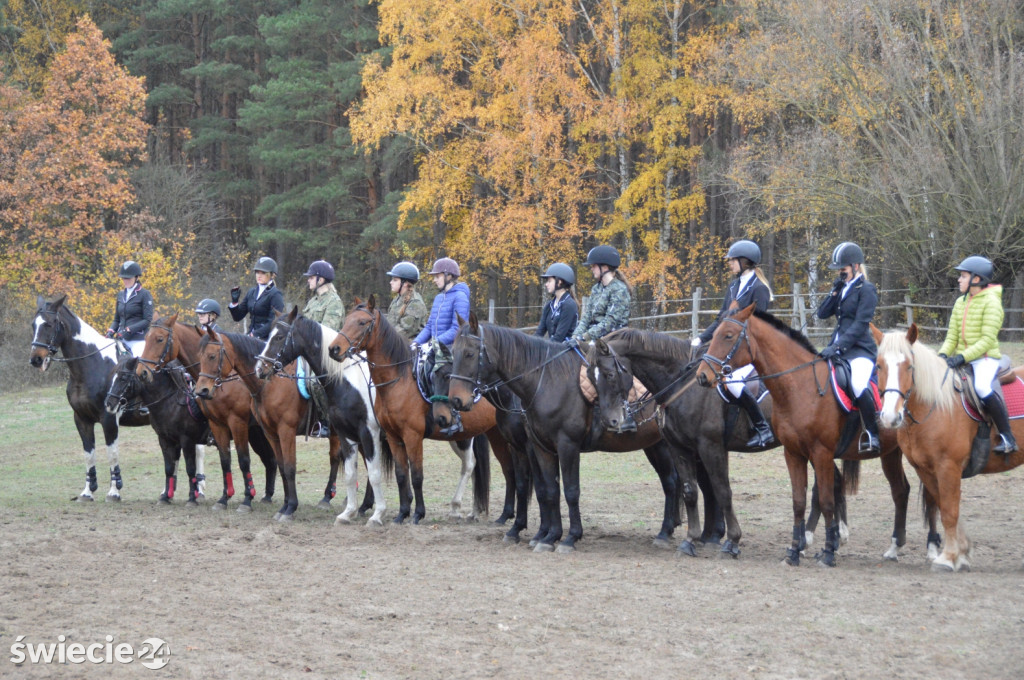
730	549
277	515
266	499
942	567
687	548
84	499
164	500
341	520
511	540
113	499
375	522
662	543
825	559
244	508
712	540
543	548
284	518
219	506
192	503
564	549
501	521
533	543
324	504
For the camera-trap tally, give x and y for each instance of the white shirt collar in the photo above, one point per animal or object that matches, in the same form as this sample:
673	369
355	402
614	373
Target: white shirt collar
846	289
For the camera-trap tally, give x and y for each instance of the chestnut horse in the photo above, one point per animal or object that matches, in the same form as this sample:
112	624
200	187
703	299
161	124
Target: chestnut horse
406	417
168	340
560	422
279	408
91	361
805	418
934	431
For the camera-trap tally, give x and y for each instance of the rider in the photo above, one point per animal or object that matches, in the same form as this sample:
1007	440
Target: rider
852	301
408	312
561	313
260	301
973	338
325	306
749	286
134	309
608	308
443	324
207	312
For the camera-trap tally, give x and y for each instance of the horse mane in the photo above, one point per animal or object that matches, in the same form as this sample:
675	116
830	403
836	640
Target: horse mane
650	344
784	328
313	330
392	343
932	383
246	347
533	351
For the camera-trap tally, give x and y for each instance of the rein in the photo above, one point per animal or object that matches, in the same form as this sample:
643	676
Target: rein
216	378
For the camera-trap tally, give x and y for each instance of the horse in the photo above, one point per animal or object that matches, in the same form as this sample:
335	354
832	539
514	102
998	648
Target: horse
350	397
921	405
406	418
179	425
512	424
696	422
545	377
230	417
279	408
805	418
91	360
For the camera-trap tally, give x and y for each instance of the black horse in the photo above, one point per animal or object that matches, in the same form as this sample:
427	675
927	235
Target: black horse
697	421
350	397
175	416
511	420
91	361
545	376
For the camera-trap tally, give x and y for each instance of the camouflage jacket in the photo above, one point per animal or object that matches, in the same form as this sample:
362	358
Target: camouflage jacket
606	311
408	313
326	308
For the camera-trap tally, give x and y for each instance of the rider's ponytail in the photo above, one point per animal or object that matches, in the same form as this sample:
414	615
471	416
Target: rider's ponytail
763	279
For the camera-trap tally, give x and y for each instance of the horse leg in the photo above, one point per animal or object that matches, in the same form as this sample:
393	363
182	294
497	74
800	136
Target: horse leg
170	453
508	471
931	515
662	459
415	453
201	470
956	555
222	436
548	499
256	439
569	462
797	466
715	459
464	450
335	455
372	441
714	520
285	440
519	469
87	433
824	475
110	429
899	486
401	478
189	449
349	452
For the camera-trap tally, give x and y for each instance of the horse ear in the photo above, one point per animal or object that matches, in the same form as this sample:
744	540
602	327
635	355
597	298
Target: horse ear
876	334
601	346
371	304
173	320
745	313
294	313
213	334
40	301
356	301
474	324
458	317
59	302
912	333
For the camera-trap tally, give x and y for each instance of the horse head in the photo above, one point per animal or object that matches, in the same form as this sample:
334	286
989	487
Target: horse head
729	346
470	364
47	331
895	364
357	330
124	386
215	363
613	377
159	349
280	347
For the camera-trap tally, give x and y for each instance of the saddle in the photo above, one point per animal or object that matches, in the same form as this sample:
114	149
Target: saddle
183	381
1006	382
839	377
310	388
754	387
636	392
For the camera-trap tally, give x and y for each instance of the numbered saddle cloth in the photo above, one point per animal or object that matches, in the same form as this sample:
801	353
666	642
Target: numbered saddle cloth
839	376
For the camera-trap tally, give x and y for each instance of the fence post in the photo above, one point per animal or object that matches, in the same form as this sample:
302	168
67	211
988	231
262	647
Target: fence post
801	308
490	310
695	314
910	310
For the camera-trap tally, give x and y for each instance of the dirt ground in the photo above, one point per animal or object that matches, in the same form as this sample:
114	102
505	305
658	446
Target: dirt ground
239	594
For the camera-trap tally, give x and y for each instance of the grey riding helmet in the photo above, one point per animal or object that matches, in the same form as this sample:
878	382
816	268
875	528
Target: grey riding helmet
560	270
208	306
978	266
745	248
265	264
606	255
405	270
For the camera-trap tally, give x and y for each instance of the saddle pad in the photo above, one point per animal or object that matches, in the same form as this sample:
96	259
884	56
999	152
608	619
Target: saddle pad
1013	394
841	389
636	392
302	370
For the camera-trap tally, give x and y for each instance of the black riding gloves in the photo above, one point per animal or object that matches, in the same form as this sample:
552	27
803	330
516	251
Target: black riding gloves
955	361
236	293
829	352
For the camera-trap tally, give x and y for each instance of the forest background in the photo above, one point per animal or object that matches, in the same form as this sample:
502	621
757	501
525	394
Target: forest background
195	135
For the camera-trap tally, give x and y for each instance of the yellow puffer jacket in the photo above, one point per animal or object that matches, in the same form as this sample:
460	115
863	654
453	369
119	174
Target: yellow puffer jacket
974	325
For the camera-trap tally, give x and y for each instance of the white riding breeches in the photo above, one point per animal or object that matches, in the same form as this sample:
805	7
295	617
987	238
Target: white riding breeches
135	346
734	383
985	370
861	369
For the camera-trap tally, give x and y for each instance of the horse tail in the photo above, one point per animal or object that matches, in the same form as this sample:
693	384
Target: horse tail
387	459
482	474
851	476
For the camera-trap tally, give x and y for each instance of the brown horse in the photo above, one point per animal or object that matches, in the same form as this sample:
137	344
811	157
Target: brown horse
406	418
277	404
934	431
230	418
805	418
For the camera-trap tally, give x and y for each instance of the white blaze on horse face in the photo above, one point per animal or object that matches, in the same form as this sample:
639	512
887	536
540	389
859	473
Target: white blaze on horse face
263	354
890	414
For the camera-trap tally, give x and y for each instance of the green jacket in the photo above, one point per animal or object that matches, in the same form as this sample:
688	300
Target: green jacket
326	308
606	311
408	313
974	325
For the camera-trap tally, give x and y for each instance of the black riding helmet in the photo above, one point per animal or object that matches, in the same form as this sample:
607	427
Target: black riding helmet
265	264
320	268
979	266
208	306
130	269
406	271
605	255
846	253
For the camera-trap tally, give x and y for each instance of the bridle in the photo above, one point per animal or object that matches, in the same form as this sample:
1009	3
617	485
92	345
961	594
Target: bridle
623	378
216	377
910	390
357	345
52	347
161	362
275	362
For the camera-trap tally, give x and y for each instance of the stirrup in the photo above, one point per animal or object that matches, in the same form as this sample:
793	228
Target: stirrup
1006	445
868	443
762	439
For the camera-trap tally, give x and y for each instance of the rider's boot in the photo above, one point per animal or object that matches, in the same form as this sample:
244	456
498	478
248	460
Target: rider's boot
869	442
763	436
996	408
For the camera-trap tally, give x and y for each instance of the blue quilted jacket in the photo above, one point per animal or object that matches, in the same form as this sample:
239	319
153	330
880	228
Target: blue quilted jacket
443	324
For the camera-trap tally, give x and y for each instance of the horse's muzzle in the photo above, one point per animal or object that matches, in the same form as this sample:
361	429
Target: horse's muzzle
203	393
335	353
457	404
702	380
